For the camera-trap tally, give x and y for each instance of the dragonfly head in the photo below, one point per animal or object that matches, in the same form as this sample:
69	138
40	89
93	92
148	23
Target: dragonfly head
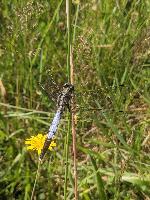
68	87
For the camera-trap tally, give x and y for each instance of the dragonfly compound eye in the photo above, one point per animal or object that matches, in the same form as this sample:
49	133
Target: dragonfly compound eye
66	85
69	86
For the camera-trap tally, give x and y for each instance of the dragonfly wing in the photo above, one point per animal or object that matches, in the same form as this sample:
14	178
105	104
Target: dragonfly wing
50	88
49	92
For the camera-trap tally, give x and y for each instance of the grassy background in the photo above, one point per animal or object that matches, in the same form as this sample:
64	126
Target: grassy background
111	51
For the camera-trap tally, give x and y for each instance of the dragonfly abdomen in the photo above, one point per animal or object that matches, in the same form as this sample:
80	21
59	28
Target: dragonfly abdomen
54	125
51	132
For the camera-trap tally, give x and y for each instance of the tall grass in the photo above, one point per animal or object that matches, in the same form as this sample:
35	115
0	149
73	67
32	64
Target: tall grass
112	80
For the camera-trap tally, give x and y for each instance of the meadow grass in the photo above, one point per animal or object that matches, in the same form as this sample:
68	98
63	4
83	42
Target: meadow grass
112	83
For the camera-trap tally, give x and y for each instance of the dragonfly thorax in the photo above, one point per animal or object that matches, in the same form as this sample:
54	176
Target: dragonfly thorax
64	97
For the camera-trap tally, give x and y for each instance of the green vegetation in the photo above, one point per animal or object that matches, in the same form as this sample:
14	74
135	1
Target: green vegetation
111	55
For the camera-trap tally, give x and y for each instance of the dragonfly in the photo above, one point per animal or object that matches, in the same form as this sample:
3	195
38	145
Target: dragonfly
63	102
62	95
86	100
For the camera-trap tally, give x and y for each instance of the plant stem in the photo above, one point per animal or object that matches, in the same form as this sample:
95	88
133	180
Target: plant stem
68	11
36	178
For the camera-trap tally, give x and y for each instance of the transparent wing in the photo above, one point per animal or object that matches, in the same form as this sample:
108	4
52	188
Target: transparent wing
49	87
100	98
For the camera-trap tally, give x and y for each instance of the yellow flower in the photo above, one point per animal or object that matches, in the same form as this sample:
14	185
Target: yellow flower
37	142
